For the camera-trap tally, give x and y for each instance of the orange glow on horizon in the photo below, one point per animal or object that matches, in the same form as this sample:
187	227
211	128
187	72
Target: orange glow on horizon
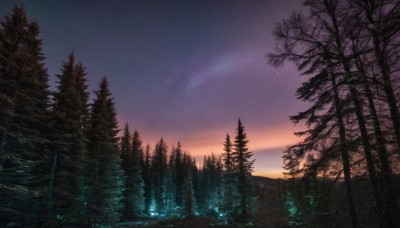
208	142
198	144
269	173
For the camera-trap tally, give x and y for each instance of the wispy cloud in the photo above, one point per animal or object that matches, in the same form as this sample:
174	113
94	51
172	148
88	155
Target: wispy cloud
221	68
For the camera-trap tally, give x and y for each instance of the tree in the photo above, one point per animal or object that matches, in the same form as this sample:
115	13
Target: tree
188	199
125	146
106	176
229	180
65	193
244	166
134	200
329	44
210	197
23	117
379	20
179	174
291	163
147	178
159	170
171	183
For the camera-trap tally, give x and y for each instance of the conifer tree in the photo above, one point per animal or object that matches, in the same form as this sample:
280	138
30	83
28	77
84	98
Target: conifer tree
171	182
147	179
125	146
66	187
188	199
228	177
106	176
23	116
179	174
210	197
196	180
202	201
291	163
134	187
159	170
244	167
83	94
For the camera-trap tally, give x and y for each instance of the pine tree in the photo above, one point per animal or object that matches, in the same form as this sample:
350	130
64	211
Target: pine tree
291	163
147	179
66	186
125	147
196	180
171	183
244	166
179	174
229	182
106	176
188	199
134	188
211	193
159	170
23	117
83	94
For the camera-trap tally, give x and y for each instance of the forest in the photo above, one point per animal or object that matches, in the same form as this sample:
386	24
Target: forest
64	162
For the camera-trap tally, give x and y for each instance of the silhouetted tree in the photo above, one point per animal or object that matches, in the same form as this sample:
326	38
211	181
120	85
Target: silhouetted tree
107	177
243	167
147	179
229	178
188	199
329	44
23	118
134	187
179	174
171	183
66	186
159	170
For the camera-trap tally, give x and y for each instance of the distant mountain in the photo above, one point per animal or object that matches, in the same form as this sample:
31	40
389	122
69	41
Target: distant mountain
266	181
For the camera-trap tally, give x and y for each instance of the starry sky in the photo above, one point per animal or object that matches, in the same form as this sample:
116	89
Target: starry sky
181	70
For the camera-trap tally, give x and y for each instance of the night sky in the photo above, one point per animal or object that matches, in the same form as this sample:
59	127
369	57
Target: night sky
183	70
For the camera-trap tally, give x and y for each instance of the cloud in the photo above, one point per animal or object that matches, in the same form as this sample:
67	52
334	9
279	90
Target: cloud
220	68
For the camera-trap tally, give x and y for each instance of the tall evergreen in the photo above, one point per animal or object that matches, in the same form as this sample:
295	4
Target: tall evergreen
179	174
188	199
147	179
244	167
66	186
23	116
228	175
159	170
106	176
83	94
171	180
134	187
211	192
125	146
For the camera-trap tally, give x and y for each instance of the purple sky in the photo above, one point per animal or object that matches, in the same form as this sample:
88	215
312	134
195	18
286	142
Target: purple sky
183	70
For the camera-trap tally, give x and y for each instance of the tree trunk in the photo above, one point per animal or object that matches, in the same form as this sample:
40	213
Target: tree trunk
387	84
357	107
391	205
50	200
344	152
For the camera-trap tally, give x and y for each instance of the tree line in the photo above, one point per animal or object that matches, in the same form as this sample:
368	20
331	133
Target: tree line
62	162
348	53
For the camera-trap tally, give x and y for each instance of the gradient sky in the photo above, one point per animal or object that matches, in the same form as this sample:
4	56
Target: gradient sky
183	70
